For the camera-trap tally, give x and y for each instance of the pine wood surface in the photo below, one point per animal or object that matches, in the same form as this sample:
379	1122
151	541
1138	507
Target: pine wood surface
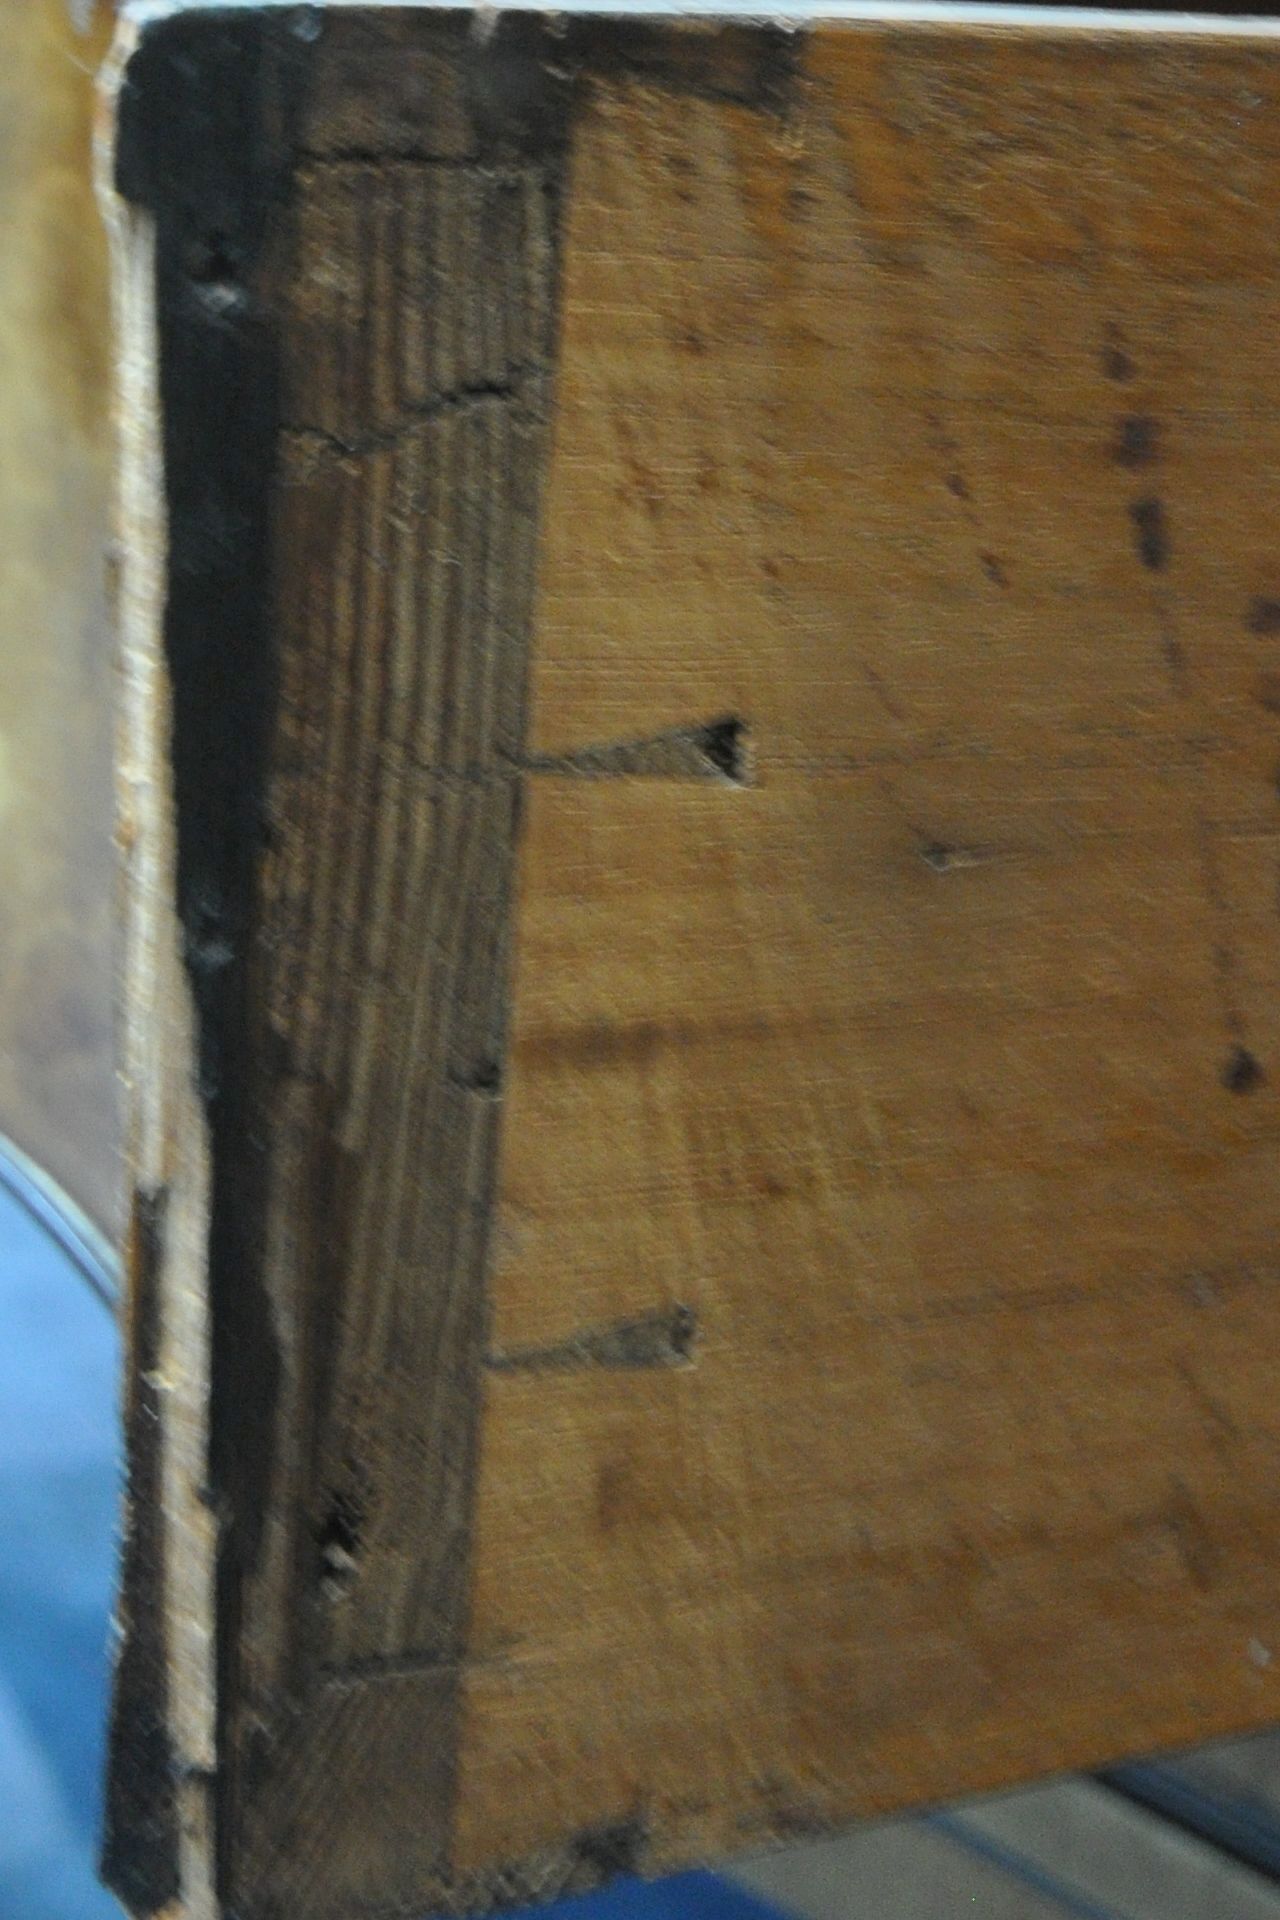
722	623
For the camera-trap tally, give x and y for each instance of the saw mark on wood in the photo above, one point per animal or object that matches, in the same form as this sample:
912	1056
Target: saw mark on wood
664	1338
716	750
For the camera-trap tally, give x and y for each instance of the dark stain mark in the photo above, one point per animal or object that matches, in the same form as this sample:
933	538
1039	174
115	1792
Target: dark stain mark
605	1852
1241	1072
791	1820
958	485
780	1813
1151	534
716	750
404	1666
755	66
579	1865
1264	615
599	1043
1136	442
140	1857
994	569
1266	690
1116	363
664	1338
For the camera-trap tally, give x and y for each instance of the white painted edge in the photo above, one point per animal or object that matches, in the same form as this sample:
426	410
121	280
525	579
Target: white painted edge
166	1145
944	13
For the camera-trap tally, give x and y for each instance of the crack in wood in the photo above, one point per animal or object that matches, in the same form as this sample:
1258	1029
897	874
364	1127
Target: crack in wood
511	389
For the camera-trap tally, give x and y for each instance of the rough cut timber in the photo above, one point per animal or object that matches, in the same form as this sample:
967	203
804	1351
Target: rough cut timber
702	682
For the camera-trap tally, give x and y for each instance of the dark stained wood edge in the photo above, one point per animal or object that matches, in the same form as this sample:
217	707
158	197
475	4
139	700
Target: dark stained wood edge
202	146
212	123
140	1851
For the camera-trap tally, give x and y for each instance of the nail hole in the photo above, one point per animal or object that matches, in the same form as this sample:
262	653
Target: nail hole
339	1546
724	744
484	1077
1151	532
214	270
1137	441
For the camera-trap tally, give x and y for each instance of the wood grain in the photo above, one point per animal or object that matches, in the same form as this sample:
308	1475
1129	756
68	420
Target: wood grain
735	971
57	1075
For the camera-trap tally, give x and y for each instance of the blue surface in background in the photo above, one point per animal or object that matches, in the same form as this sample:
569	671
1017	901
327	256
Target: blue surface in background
58	1495
58	1486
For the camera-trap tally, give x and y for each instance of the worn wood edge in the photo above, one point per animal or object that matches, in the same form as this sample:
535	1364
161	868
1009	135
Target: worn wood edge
1109	16
162	1841
157	1850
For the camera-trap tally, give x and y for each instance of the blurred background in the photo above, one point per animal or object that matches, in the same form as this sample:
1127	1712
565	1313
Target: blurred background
1192	1838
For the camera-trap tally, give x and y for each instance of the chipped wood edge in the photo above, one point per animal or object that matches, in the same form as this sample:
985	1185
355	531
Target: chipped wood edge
167	1149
